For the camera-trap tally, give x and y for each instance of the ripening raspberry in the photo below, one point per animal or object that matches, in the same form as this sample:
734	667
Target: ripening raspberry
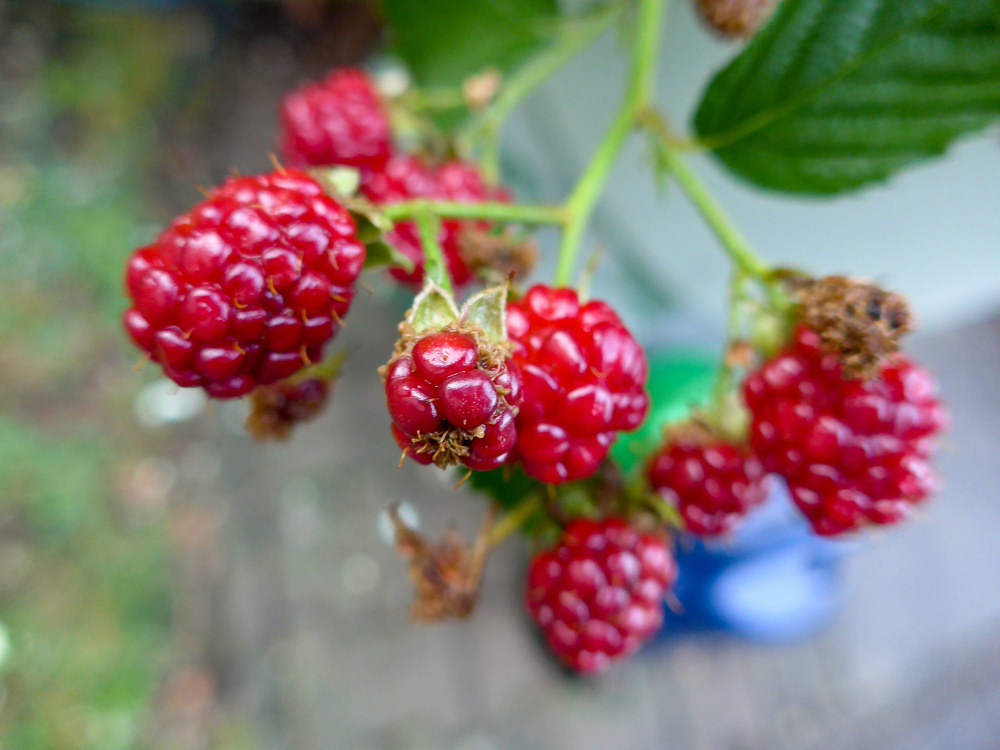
854	451
337	121
247	287
584	381
453	398
598	594
712	483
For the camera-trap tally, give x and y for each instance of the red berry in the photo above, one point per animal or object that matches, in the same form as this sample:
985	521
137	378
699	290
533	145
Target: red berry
584	381
247	287
712	484
449	406
598	594
406	177
337	121
854	452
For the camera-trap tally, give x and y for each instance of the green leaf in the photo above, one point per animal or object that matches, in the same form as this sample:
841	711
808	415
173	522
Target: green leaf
488	310
444	41
836	94
381	254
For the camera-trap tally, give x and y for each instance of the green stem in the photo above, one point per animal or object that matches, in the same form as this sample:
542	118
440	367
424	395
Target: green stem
582	200
435	269
521	213
571	38
732	240
514	520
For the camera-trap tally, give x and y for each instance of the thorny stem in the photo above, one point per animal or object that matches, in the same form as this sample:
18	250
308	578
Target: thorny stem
435	268
521	213
582	200
513	520
571	38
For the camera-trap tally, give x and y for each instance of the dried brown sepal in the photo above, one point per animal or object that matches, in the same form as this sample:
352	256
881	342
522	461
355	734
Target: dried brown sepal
500	256
736	18
445	573
276	409
862	322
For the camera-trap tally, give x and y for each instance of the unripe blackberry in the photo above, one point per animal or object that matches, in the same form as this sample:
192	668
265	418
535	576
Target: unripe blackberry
584	381
855	452
453	398
337	121
712	483
248	286
598	594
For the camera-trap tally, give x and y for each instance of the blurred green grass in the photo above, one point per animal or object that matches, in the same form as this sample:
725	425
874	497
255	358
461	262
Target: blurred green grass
85	605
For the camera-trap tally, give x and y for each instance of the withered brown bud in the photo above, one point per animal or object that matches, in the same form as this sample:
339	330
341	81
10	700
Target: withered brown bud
276	409
736	18
862	322
501	255
445	573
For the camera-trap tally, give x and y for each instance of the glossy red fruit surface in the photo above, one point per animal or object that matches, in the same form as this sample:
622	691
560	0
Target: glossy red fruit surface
441	393
584	381
598	594
854	452
337	121
713	485
247	287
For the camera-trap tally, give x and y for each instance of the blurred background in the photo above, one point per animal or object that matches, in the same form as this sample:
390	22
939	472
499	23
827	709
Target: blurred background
167	583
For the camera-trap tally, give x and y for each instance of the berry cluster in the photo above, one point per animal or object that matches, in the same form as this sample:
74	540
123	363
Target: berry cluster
584	381
598	594
453	401
854	451
247	287
341	121
243	291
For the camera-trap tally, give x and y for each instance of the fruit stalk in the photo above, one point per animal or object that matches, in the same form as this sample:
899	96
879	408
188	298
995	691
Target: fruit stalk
582	200
435	268
572	37
520	213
